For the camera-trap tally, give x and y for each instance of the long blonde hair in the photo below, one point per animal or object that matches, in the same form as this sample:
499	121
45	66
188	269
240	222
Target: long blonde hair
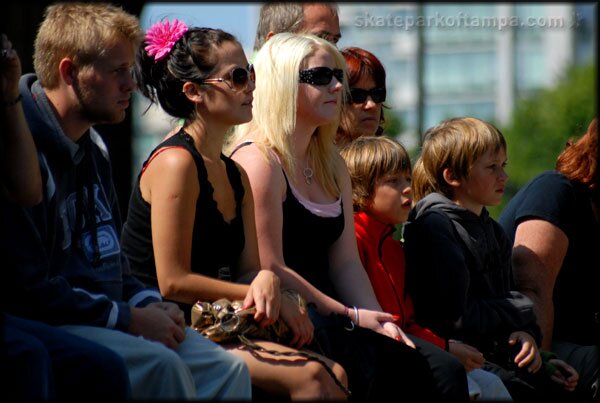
278	65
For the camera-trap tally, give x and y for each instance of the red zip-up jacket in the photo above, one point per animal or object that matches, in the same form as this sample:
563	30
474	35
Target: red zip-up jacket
383	258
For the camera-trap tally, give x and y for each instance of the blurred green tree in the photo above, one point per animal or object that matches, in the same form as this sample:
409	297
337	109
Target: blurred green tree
543	122
393	125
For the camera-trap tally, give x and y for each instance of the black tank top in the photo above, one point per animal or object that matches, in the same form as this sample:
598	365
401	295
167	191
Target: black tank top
216	244
307	238
306	241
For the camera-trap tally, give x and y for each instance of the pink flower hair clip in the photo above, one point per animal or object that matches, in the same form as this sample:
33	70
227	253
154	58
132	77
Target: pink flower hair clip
162	36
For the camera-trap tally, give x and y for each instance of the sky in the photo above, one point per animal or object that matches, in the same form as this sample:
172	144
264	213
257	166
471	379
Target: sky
239	19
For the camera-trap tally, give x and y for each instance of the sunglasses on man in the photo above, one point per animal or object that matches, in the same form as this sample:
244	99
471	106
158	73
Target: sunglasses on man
321	75
359	95
236	80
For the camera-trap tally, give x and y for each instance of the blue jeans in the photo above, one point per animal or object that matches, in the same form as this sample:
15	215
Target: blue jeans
487	386
197	369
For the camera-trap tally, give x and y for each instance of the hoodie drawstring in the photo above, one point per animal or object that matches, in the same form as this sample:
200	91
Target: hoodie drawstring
83	211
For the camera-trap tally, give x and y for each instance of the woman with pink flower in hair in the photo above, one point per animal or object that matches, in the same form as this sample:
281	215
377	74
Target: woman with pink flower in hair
190	229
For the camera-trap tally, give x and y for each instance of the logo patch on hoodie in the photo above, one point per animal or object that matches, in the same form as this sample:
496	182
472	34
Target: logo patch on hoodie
108	243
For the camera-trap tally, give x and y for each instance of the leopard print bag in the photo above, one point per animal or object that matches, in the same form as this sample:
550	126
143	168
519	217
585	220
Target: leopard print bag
225	321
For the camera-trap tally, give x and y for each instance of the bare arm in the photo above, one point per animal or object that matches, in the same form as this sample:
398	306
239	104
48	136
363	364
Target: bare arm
264	290
351	279
538	253
170	185
22	181
249	260
268	189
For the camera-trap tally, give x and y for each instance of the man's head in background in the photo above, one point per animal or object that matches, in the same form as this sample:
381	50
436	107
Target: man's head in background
320	19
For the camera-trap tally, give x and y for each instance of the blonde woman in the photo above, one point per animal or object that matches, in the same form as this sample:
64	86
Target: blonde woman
303	208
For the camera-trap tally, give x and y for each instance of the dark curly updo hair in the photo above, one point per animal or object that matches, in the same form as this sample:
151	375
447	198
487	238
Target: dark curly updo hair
192	58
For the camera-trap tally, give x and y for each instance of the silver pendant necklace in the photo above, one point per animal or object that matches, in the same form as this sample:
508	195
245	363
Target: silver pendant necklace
308	174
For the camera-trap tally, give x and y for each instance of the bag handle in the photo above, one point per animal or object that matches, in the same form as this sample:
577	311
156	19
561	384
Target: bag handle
253	346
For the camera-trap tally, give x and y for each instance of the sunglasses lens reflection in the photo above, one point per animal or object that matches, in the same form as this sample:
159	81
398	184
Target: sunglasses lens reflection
360	95
240	77
321	75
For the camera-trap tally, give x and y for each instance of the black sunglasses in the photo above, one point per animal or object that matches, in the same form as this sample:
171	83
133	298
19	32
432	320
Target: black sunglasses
321	75
359	96
239	78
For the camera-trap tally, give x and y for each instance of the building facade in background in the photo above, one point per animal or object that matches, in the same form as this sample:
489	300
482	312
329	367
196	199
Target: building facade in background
468	59
442	60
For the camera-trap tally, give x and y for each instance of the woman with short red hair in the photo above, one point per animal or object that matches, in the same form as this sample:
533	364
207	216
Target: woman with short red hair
554	222
362	112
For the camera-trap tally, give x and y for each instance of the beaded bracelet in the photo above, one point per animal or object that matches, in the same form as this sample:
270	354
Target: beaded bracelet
13	102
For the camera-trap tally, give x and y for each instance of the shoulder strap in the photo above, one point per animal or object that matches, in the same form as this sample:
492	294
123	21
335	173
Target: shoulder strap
247	143
242	144
160	150
298	353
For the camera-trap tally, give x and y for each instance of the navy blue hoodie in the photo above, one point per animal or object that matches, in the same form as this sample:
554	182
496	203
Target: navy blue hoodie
460	277
65	259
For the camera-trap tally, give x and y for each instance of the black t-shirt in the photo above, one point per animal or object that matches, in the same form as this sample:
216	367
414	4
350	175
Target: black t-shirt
554	198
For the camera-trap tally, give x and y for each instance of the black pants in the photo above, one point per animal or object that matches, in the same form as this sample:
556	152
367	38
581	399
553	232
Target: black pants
378	367
449	374
532	388
586	360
